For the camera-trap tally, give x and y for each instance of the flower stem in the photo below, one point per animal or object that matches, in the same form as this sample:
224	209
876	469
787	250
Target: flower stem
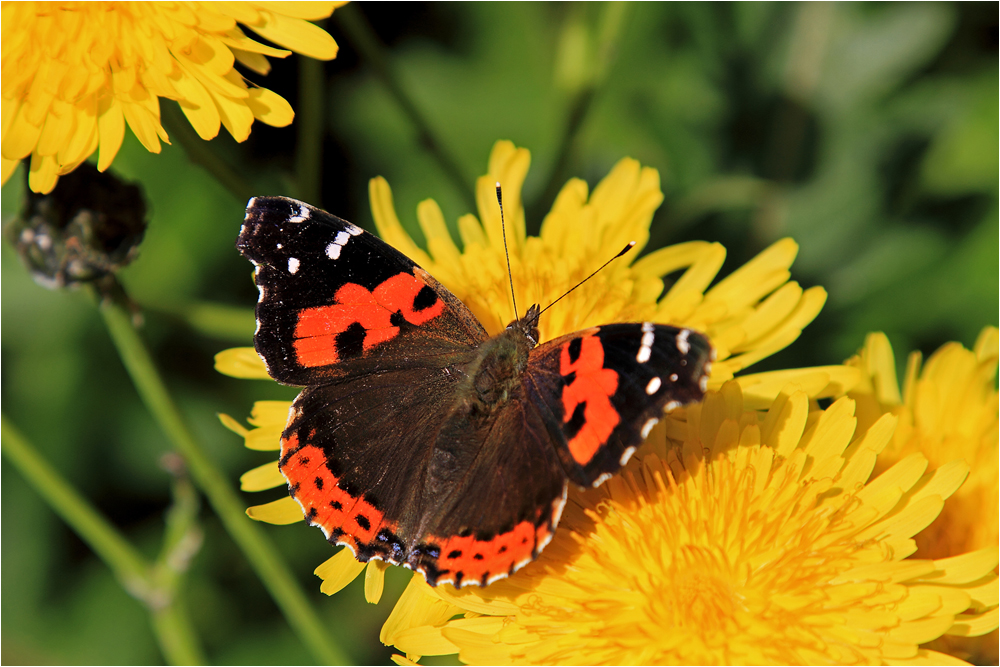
198	151
359	32
176	636
611	23
309	145
172	627
257	548
232	324
123	559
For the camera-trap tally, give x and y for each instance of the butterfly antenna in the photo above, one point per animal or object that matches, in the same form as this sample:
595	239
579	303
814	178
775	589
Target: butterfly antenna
620	253
503	230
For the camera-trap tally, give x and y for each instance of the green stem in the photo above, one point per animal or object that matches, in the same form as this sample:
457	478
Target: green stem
232	324
309	123
176	635
611	23
171	625
128	565
198	151
181	541
257	548
358	31
578	110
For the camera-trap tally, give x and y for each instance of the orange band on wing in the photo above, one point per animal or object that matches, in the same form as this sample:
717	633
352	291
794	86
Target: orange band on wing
592	387
359	319
402	293
476	559
345	518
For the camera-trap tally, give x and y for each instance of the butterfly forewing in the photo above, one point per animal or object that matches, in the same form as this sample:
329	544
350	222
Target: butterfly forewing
332	295
606	387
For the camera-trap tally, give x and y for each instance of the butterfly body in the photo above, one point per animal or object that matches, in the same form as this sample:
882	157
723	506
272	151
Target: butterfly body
421	440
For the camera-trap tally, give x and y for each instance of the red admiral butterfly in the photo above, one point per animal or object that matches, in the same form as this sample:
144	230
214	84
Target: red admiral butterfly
419	439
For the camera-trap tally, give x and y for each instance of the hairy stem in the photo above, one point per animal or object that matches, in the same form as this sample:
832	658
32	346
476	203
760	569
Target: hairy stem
309	123
170	621
257	548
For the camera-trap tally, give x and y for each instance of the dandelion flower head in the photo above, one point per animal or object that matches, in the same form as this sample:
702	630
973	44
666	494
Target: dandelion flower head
76	73
745	537
947	409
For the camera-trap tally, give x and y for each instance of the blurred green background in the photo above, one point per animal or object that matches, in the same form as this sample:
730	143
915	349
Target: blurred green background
867	132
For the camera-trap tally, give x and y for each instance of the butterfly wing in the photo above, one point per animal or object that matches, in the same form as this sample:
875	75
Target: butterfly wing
386	465
601	390
334	298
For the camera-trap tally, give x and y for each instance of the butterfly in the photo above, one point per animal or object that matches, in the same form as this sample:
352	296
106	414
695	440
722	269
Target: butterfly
419	439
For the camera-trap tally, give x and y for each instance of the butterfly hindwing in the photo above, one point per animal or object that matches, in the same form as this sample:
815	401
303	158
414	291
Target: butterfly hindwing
385	465
607	386
332	294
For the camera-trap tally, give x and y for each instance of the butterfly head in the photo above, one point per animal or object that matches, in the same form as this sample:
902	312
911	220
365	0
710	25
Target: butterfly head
528	325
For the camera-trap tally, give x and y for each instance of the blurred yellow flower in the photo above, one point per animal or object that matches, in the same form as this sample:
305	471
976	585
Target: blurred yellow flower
75	73
741	538
947	410
748	315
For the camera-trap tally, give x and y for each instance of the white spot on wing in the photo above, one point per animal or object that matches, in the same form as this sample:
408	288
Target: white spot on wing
671	406
646	345
653	386
626	455
703	383
557	510
496	577
302	215
683	346
647	427
293	265
602	479
340	240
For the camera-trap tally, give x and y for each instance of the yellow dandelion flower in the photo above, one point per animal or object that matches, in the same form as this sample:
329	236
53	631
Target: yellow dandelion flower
76	73
748	315
743	537
946	410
